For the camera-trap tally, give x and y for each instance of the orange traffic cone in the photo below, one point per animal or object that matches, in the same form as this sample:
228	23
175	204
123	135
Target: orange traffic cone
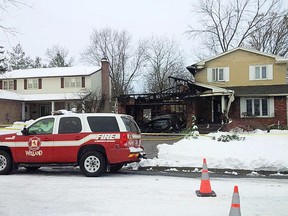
205	186
235	206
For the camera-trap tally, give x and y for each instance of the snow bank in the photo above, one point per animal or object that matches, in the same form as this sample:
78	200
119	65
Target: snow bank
255	151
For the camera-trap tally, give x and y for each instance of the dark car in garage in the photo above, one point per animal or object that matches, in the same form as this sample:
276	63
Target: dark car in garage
168	123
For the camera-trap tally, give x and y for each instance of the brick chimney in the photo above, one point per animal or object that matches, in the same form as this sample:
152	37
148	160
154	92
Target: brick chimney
106	85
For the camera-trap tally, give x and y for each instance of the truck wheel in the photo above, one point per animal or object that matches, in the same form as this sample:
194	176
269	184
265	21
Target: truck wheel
6	164
92	164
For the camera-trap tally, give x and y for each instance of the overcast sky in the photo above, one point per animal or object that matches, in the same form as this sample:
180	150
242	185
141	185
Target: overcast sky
69	23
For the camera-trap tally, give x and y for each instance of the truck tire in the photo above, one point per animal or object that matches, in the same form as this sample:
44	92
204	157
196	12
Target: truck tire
6	164
92	164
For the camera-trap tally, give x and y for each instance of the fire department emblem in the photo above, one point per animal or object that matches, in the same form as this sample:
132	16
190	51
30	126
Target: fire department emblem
34	144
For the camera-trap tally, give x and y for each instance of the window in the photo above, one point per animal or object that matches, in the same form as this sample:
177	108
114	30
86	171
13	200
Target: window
32	83
43	126
258	107
130	124
72	82
261	72
70	125
8	84
103	124
218	74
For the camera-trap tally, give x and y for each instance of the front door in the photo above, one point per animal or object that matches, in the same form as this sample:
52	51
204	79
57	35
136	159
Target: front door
36	145
217	114
45	110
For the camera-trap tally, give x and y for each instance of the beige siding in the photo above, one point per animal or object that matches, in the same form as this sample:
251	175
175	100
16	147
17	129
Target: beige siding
238	63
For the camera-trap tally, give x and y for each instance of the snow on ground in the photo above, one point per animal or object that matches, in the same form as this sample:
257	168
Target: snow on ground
27	194
50	192
254	151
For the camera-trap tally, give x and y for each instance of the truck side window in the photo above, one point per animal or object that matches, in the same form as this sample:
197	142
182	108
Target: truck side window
103	124
70	125
130	124
44	126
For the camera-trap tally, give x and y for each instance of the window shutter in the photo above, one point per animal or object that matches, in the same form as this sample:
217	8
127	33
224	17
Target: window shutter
209	75
15	84
25	83
62	82
1	84
39	83
83	82
226	74
271	107
243	109
251	72
270	72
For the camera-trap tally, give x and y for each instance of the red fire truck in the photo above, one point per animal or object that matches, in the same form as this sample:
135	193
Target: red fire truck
95	142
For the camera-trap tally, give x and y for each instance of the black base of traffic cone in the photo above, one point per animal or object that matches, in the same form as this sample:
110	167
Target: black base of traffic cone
199	194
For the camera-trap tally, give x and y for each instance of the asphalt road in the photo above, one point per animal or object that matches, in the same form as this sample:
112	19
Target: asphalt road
150	142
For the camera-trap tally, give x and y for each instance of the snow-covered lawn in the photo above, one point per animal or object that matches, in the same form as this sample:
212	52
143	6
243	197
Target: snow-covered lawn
121	194
254	151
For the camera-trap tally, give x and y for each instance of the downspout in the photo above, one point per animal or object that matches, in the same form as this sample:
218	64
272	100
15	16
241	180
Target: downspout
231	99
223	105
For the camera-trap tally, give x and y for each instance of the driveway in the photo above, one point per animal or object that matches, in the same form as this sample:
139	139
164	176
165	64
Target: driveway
150	142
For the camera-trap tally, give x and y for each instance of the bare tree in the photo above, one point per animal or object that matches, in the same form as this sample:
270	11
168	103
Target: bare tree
125	62
58	57
228	24
273	36
4	7
164	59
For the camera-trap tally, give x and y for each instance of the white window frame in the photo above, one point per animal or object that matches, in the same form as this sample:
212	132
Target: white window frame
256	72
72	82
218	74
257	102
8	84
32	83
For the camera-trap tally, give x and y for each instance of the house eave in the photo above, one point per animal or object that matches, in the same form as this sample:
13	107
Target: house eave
262	95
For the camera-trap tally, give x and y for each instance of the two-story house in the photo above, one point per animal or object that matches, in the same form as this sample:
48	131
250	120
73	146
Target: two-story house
31	93
247	86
